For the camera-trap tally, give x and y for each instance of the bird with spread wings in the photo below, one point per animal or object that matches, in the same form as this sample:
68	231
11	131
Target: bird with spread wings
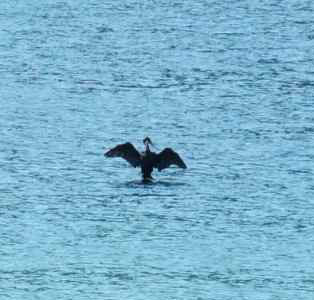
147	160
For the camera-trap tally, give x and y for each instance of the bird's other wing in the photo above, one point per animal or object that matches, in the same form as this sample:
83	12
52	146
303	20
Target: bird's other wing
126	151
168	157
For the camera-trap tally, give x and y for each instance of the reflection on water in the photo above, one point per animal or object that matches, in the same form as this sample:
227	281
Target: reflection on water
137	183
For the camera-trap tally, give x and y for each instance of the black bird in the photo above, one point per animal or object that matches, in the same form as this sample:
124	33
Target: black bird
147	160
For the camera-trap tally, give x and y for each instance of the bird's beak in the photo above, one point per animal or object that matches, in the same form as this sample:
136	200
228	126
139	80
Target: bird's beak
153	146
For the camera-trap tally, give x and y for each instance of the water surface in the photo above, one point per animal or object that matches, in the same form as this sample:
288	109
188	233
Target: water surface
227	85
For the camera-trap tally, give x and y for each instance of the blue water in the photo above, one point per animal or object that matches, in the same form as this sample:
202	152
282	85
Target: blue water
228	84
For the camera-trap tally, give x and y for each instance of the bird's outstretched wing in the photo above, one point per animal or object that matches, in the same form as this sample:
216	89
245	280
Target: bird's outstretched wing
126	151
168	157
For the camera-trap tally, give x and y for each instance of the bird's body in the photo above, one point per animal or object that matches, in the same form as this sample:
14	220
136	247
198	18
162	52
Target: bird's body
147	165
147	160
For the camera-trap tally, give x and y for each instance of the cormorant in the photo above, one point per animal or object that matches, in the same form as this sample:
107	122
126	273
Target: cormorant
147	160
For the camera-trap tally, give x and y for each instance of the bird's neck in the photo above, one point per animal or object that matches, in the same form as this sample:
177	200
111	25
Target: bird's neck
147	147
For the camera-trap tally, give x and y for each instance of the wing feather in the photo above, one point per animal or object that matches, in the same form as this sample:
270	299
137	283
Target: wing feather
168	157
126	151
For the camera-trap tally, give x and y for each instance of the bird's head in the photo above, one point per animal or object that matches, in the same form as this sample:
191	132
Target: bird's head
147	141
